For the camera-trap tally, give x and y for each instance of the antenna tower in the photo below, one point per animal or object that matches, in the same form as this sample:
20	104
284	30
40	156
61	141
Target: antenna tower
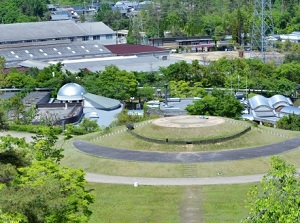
262	31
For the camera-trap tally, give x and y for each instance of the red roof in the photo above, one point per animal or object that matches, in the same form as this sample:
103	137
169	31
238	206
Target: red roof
127	49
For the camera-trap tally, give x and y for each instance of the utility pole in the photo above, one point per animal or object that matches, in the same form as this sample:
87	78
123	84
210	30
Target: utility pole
262	27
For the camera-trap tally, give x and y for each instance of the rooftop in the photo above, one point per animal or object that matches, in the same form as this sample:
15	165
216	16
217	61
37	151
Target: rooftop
126	49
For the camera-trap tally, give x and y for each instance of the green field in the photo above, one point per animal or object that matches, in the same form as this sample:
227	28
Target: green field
167	204
227	128
122	139
210	204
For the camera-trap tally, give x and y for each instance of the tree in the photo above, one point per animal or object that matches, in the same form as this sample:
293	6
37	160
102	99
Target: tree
116	83
219	103
17	106
3	115
35	188
47	192
146	93
43	146
277	198
289	122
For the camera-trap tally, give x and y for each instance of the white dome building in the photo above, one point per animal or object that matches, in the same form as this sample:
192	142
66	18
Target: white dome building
71	92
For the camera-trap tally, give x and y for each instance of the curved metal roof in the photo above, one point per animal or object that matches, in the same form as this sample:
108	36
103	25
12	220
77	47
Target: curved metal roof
276	99
290	110
257	101
101	102
71	92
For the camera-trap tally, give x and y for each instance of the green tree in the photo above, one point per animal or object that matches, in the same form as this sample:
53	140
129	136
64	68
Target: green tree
17	107
146	93
219	103
18	79
277	198
116	83
35	188
289	122
89	125
47	192
44	146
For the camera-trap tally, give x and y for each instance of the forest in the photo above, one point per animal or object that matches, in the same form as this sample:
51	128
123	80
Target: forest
215	18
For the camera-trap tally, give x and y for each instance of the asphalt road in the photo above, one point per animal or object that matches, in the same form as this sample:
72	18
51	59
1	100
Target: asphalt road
238	154
176	157
187	157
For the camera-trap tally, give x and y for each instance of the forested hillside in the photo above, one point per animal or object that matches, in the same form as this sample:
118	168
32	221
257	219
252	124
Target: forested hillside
216	18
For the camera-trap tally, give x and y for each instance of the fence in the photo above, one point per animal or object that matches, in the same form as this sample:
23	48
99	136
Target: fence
200	141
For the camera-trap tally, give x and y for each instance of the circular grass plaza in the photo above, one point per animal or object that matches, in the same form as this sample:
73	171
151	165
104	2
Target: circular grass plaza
121	153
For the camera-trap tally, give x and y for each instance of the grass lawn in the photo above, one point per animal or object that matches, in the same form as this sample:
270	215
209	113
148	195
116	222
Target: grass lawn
255	137
227	128
225	203
76	159
164	204
125	203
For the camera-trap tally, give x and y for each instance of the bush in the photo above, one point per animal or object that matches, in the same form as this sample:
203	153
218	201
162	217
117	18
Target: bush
34	128
86	126
124	118
289	122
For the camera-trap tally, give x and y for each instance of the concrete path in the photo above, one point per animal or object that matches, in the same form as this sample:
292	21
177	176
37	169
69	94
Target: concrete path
99	178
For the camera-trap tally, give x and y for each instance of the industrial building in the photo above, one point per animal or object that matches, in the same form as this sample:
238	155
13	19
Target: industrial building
269	110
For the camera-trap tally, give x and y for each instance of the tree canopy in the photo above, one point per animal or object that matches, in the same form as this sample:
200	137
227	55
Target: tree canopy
218	103
35	188
277	197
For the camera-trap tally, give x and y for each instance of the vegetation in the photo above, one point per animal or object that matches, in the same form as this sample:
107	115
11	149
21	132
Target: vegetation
289	122
135	204
219	103
85	126
34	187
277	198
119	136
226	128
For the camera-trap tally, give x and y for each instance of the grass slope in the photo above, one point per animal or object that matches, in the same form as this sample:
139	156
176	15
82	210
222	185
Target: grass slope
76	159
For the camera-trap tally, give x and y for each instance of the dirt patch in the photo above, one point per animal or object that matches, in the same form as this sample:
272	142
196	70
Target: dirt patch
190	206
207	56
188	121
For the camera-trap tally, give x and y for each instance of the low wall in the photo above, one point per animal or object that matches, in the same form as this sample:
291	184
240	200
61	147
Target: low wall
200	141
166	113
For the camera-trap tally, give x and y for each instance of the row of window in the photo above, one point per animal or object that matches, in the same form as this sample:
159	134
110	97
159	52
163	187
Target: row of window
85	38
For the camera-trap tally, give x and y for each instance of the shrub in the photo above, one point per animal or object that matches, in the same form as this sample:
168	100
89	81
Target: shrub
34	128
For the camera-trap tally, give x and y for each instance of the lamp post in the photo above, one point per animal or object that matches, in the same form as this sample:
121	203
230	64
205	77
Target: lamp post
238	90
166	95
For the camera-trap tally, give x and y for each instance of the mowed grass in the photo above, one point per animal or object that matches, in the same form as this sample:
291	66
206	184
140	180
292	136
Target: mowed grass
227	128
126	203
257	136
76	159
225	203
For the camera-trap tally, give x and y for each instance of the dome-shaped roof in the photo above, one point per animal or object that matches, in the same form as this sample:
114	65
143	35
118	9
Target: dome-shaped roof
71	92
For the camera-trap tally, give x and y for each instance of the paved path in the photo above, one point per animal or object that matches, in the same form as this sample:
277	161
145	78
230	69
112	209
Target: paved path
187	157
99	178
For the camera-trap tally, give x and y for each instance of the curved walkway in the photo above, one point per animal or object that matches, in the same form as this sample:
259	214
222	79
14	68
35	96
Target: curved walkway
99	178
187	157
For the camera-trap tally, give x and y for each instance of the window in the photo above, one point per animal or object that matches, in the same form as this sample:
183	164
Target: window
85	38
96	37
108	36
